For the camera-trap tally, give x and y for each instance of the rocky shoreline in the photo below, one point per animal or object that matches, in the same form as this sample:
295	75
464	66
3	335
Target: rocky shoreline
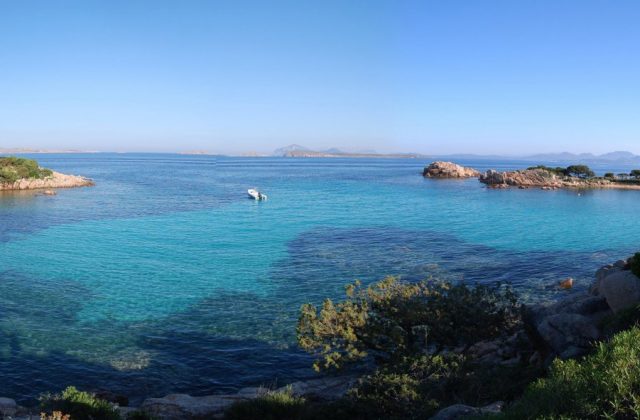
540	178
565	329
522	179
56	180
449	170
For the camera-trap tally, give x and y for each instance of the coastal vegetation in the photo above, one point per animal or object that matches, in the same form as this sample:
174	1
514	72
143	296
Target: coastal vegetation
579	171
412	350
585	172
605	385
13	169
78	405
412	347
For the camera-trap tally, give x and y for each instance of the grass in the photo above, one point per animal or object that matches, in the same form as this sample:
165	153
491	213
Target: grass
604	385
79	405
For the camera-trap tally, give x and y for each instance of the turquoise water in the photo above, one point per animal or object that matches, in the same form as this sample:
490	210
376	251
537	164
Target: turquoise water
166	278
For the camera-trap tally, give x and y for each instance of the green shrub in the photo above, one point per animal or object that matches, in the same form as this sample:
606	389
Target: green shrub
580	171
557	171
414	388
605	384
79	405
13	169
272	406
634	264
390	320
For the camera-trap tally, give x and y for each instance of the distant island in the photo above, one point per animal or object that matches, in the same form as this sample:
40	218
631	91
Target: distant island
297	151
22	150
564	157
26	174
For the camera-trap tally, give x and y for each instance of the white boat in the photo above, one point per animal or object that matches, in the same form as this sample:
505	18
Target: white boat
256	195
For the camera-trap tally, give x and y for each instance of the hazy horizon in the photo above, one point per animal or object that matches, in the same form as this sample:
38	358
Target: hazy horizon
495	77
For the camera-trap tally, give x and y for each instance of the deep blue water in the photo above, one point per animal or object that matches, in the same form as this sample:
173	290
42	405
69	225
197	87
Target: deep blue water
165	278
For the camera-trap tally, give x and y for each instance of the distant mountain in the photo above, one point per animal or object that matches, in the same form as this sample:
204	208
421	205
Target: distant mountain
290	148
334	151
619	156
565	157
586	157
295	150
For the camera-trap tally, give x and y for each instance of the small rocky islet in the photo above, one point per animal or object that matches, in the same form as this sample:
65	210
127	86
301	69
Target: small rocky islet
19	174
535	177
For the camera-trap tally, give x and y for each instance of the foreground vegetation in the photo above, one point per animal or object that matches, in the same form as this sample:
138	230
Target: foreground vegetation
13	169
412	341
604	385
410	345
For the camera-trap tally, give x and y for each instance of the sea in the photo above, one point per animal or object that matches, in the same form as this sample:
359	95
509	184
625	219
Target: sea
166	278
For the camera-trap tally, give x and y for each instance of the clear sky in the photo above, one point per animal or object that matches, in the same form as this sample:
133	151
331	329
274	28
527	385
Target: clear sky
508	77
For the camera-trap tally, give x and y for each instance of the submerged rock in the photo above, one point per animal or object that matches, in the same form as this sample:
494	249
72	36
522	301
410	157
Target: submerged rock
449	170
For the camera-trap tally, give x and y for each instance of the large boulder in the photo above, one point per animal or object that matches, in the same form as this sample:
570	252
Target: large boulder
449	170
186	407
328	388
461	411
621	289
183	406
567	328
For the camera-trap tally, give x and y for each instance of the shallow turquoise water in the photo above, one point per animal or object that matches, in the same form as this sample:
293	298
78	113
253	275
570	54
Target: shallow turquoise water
165	277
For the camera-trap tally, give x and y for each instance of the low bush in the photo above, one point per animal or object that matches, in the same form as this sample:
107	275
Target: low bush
79	405
13	169
391	320
271	406
605	385
634	264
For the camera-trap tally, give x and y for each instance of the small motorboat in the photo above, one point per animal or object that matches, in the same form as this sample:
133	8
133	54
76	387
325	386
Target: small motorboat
256	195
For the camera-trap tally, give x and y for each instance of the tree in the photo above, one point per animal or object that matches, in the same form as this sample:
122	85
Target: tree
391	319
610	175
581	171
635	173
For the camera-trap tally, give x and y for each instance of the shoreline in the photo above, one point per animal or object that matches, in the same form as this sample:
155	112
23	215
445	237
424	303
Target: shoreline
564	329
55	181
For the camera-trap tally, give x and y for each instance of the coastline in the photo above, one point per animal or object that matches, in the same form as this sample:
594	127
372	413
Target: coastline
565	329
524	179
540	178
56	180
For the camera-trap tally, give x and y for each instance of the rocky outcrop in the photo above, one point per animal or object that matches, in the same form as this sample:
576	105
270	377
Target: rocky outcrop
182	406
618	286
56	180
461	411
449	170
546	180
568	328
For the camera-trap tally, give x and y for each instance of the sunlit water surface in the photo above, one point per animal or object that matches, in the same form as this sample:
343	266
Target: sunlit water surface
165	278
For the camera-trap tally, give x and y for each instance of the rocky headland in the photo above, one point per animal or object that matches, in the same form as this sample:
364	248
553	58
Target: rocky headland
541	178
55	180
448	170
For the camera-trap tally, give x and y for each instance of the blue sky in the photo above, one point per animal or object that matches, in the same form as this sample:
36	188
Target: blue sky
508	77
